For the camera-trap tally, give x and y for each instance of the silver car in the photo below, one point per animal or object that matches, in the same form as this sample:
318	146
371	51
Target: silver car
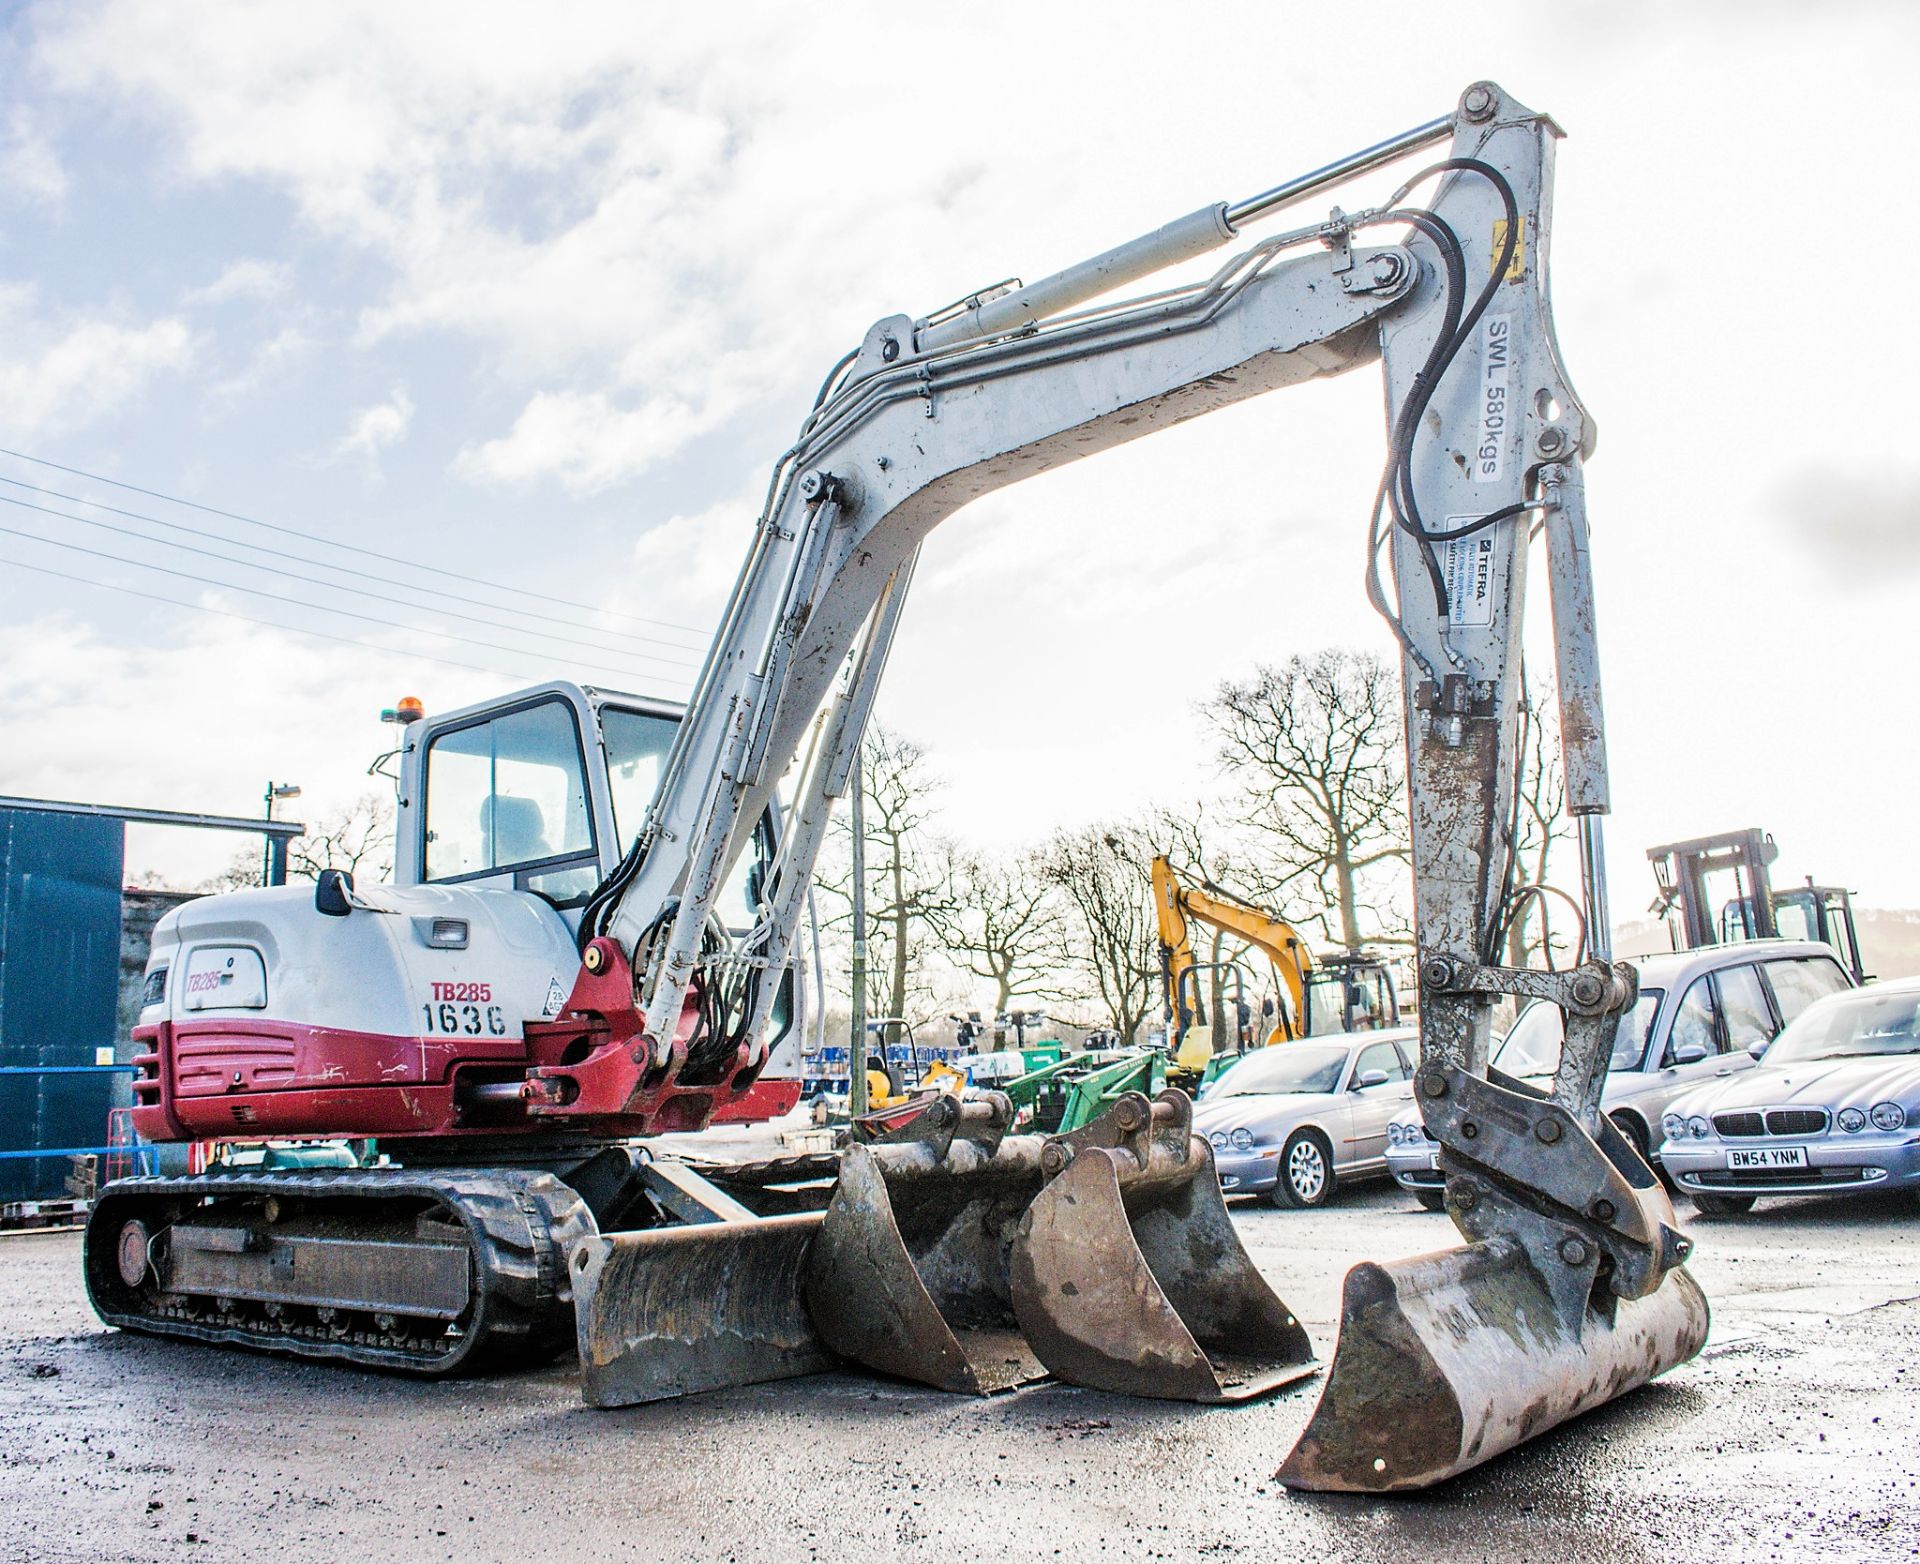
1702	1015
1291	1121
1834	1106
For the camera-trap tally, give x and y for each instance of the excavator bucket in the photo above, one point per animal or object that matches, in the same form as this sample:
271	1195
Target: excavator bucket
713	1303
670	1311
1448	1359
1128	1276
909	1272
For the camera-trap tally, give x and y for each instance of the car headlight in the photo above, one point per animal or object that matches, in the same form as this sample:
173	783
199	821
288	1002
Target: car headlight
1674	1127
1396	1134
1698	1127
1218	1140
1241	1139
1888	1116
1852	1120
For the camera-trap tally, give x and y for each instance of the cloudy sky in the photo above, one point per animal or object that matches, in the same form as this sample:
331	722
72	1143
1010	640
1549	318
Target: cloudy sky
502	314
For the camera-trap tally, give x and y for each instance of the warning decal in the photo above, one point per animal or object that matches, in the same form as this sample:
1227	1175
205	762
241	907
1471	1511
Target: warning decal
556	999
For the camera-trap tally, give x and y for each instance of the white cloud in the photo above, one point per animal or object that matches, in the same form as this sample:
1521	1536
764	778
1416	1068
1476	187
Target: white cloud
699	552
57	375
244	279
29	162
583	439
273	358
377	428
643	223
75	705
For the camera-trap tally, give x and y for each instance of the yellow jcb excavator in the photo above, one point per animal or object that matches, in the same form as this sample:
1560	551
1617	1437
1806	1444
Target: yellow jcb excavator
1352	992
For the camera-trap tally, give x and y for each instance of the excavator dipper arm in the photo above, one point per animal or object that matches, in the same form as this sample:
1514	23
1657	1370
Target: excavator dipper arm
1557	1302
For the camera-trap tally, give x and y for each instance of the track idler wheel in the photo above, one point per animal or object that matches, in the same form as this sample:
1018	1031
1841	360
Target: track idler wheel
909	1272
1128	1276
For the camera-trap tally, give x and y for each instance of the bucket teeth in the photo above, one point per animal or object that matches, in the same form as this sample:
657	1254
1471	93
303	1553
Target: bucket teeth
1127	1273
909	1272
1448	1359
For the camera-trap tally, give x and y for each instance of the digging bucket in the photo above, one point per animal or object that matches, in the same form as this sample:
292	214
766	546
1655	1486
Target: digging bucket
1128	1276
909	1272
669	1311
1448	1359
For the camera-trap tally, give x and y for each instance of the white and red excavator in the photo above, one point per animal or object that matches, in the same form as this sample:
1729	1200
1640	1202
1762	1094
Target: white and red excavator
592	937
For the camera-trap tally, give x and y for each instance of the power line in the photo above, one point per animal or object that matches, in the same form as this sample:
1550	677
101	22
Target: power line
345	570
268	624
140	564
352	548
383	597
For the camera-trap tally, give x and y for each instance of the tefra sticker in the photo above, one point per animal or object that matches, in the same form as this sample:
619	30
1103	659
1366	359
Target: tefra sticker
1469	570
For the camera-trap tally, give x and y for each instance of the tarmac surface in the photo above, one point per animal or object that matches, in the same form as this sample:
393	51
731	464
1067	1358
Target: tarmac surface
1797	1432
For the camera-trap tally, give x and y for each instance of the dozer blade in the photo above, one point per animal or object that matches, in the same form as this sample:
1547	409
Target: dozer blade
1448	1359
669	1311
909	1272
1128	1275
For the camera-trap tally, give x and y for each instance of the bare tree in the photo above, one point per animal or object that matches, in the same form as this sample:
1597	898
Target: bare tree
1541	825
1315	745
358	839
1101	873
1004	923
908	886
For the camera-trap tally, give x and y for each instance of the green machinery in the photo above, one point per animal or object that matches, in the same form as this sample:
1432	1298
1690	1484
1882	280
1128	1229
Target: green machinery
1074	1091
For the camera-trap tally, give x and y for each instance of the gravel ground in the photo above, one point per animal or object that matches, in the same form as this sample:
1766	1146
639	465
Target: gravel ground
1797	1429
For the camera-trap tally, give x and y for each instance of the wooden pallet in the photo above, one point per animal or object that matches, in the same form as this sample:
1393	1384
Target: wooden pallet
43	1215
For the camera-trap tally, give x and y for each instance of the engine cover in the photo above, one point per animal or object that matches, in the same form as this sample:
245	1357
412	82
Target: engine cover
267	1017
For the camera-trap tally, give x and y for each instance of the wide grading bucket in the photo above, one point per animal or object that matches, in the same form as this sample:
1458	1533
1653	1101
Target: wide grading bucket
670	1311
909	1272
1447	1359
1127	1274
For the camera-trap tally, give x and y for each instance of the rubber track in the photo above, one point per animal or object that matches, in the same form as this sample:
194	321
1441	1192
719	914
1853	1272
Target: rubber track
520	1227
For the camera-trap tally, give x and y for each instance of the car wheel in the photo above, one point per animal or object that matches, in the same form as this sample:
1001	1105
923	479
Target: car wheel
1635	1132
1431	1199
1306	1171
1722	1205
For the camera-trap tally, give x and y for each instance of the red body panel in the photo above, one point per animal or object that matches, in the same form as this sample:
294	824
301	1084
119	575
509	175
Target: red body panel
225	1076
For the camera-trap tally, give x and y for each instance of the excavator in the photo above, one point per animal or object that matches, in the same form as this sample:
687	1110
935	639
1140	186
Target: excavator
1353	992
591	937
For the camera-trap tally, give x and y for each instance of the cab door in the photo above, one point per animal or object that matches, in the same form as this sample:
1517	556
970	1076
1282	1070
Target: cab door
507	804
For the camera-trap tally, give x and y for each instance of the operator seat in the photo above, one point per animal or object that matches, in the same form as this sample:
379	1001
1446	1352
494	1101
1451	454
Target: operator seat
512	830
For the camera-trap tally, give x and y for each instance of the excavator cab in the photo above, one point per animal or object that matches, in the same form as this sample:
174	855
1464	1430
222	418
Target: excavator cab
1349	993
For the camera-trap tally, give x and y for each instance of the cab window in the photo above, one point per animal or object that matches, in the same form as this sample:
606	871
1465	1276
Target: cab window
1744	1007
637	744
506	792
1693	1031
1798	982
